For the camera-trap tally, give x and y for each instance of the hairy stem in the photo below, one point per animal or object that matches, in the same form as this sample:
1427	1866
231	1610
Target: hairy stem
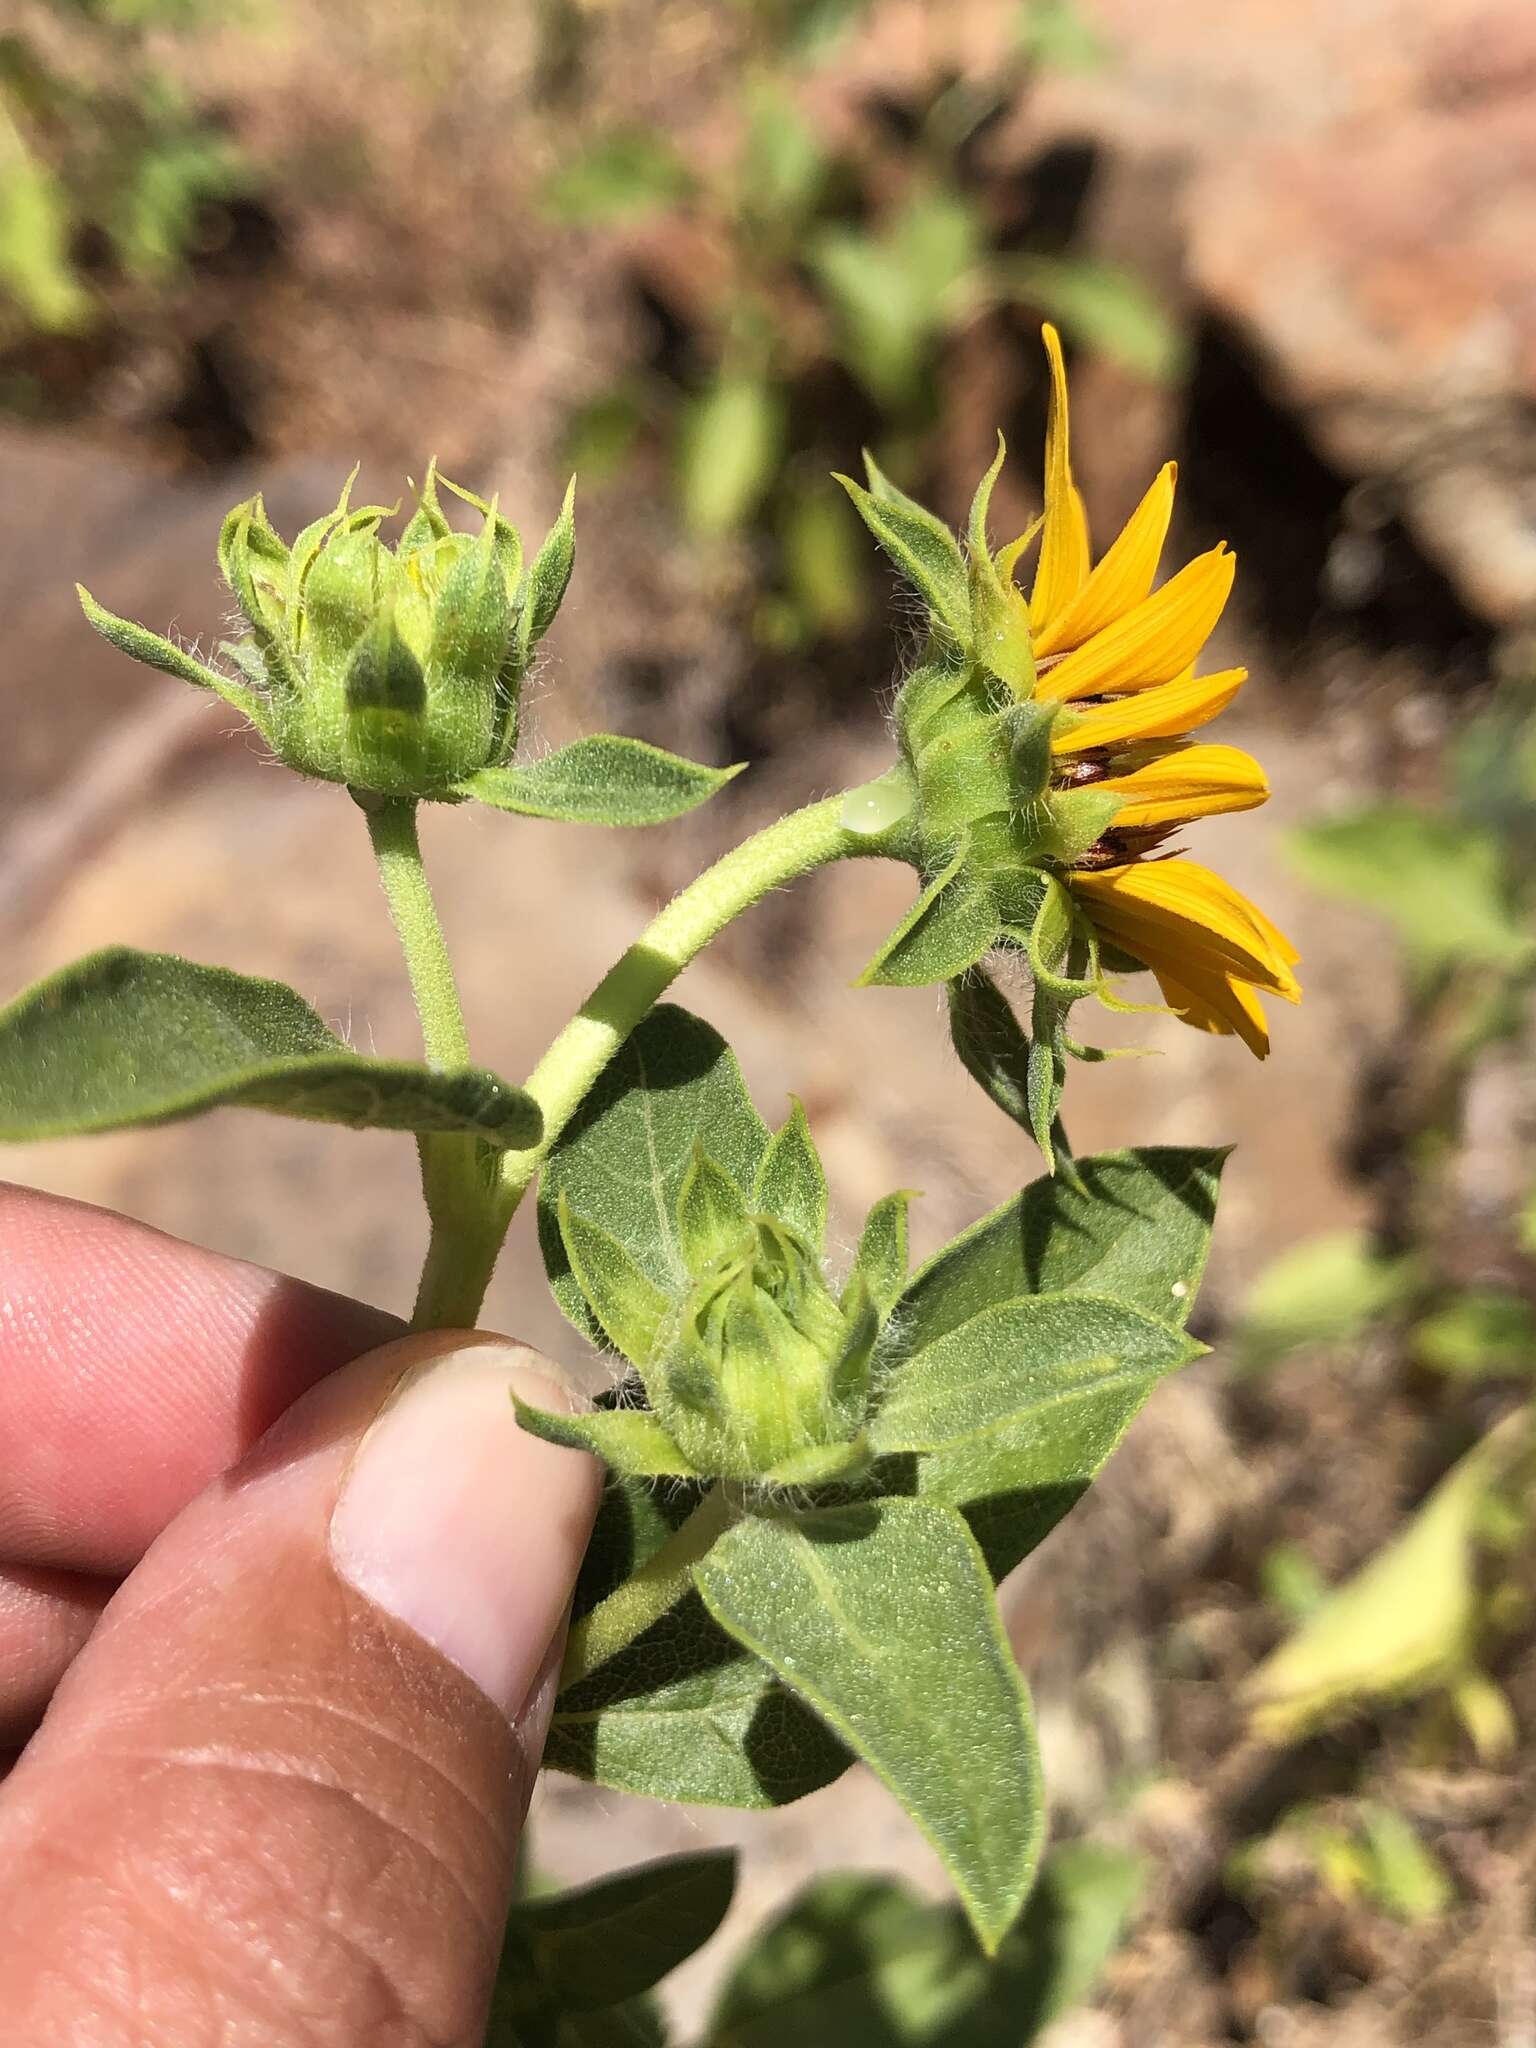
397	849
560	1082
467	1228
642	1600
471	1209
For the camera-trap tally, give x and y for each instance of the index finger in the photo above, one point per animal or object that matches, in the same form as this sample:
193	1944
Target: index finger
134	1368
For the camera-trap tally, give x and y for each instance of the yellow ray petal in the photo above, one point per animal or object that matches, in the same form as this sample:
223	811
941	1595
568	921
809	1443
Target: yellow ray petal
1211	1002
1279	944
1187	782
1123	578
1179	910
1155	641
1063	566
1163	713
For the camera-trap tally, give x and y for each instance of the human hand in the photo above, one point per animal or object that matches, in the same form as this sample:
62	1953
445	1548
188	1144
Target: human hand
296	1630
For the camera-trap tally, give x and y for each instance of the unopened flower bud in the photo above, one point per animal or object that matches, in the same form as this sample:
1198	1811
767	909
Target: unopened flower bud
768	1376
394	670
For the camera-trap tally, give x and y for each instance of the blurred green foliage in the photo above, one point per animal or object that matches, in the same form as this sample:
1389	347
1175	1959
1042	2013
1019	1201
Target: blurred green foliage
1412	1620
1456	884
853	1960
1441	880
861	1962
106	147
1325	1291
812	248
1362	1850
1058	33
1481	1333
624	175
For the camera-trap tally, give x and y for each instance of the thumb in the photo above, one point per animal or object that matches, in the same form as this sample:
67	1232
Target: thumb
278	1794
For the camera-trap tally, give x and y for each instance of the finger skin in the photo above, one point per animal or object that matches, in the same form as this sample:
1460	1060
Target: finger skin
133	1369
45	1618
259	1810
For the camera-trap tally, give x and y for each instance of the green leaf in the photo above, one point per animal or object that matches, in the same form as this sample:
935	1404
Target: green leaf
1075	1922
993	1046
425	525
1404	1878
686	1714
947	930
629	1308
1105	308
548	574
1046	1068
791	1183
604	780
139	644
1139	1235
609	1941
854	1962
999	616
730	445
859	1962
825	567
1136	1233
711	1211
36	264
123	1038
848	1377
637	2023
1025	1358
383	676
628	1440
1482	1334
1014	1481
1441	884
783	164
922	547
1290	1582
895	293
883	1618
343	590
881	1259
1406	1622
633	1522
1324	1290
472	614
622	176
621	1161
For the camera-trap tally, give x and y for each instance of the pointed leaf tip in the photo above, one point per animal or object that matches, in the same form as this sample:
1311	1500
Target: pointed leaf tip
938	1709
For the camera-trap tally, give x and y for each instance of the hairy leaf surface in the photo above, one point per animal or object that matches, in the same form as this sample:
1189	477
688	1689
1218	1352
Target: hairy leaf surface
124	1038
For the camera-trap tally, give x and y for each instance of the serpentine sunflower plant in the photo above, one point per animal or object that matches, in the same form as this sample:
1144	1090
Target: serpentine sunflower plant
820	1463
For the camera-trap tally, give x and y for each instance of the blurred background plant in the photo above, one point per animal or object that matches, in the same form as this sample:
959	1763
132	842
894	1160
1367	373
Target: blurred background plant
111	176
1443	1279
810	276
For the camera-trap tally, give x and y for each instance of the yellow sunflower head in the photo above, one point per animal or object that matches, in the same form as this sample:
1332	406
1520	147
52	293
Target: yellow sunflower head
1047	739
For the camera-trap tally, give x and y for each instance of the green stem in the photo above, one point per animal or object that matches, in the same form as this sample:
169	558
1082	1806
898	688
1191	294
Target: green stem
642	1600
467	1228
468	1225
634	984
397	849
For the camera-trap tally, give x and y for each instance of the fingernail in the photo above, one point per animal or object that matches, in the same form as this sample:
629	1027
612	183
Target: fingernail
461	1525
